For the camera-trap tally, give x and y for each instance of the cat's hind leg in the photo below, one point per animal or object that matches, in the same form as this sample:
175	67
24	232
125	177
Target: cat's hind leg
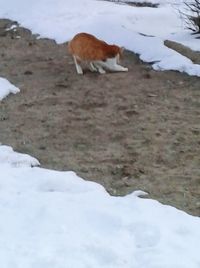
78	66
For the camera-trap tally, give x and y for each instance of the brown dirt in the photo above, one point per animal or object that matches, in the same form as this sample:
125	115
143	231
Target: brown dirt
127	131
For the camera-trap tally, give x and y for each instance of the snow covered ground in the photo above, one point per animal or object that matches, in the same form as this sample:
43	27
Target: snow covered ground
141	30
57	220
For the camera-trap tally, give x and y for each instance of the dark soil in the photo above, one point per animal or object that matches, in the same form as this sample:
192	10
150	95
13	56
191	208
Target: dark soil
127	131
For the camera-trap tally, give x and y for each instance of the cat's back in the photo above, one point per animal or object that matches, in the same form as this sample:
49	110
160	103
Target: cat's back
87	47
83	41
85	37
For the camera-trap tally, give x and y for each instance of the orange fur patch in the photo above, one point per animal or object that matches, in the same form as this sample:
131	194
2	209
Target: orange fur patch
86	47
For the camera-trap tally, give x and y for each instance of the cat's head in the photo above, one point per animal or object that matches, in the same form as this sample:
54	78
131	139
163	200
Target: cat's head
119	53
115	51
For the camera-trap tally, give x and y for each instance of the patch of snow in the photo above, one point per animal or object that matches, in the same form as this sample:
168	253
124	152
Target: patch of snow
6	88
8	156
12	27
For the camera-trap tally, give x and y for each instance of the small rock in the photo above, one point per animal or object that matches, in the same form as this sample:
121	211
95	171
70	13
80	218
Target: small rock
28	72
42	147
152	95
195	130
3	118
147	76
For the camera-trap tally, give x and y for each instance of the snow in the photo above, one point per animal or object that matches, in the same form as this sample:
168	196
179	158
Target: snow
8	156
120	24
6	87
57	220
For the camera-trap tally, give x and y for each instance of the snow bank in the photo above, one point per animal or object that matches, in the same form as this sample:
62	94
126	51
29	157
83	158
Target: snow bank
57	220
120	24
8	156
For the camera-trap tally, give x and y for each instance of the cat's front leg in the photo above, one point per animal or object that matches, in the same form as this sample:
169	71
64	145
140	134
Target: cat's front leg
99	67
101	70
92	67
119	68
114	66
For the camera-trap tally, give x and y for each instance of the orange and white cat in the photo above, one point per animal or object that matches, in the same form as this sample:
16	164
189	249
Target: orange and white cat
85	47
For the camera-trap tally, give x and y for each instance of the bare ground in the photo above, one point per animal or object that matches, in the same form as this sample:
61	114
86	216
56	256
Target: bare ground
127	131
